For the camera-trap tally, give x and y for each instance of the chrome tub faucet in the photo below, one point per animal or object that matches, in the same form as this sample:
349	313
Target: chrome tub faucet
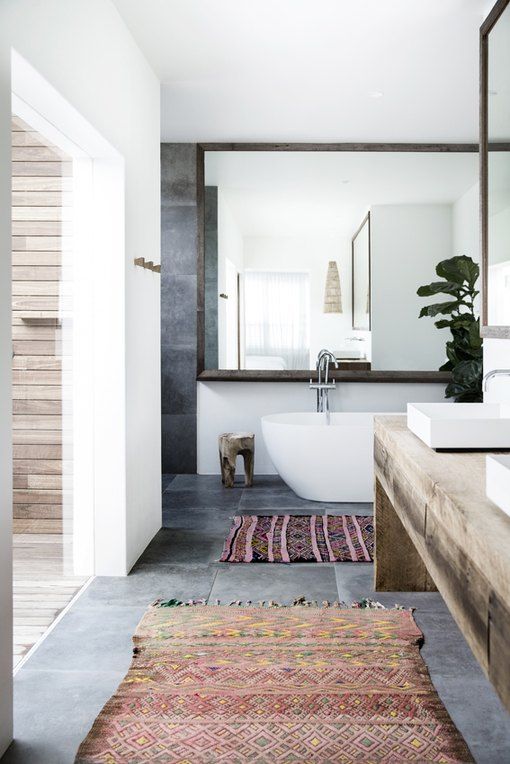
323	384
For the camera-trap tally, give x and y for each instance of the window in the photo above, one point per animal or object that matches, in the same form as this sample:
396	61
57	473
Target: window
277	320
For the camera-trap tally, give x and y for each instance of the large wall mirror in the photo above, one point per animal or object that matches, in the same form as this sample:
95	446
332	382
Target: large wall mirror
495	170
306	249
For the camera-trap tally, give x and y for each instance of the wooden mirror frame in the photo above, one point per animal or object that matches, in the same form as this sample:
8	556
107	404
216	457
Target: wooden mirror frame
347	372
499	332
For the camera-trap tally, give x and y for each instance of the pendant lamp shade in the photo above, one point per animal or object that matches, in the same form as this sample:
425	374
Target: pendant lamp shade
333	291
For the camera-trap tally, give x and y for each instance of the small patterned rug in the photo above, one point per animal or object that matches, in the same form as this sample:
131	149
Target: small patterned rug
300	538
281	685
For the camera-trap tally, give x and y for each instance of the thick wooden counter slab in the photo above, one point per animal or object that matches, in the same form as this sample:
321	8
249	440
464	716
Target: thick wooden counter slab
436	528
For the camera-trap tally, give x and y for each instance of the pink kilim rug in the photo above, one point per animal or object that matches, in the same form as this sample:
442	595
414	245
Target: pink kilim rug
232	685
300	538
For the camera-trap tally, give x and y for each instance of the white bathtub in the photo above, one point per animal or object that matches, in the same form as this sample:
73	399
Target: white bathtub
323	462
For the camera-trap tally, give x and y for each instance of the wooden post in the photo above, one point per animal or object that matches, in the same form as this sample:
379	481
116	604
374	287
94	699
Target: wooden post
397	565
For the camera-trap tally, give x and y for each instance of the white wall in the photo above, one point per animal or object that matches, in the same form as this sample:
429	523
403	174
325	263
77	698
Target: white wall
230	406
407	243
312	254
230	246
5	406
466	224
499	228
85	51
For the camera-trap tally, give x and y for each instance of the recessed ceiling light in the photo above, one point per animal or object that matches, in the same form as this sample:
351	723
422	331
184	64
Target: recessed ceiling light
375	94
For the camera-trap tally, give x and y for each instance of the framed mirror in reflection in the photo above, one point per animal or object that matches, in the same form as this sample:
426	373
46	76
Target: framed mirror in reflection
360	269
495	170
312	249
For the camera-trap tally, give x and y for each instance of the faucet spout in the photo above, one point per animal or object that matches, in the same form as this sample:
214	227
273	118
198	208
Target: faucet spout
323	384
494	373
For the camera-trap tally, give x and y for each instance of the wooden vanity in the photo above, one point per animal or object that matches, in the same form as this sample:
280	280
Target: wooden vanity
436	528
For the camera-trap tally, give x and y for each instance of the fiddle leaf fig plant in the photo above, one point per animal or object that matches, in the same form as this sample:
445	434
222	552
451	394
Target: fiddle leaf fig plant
464	350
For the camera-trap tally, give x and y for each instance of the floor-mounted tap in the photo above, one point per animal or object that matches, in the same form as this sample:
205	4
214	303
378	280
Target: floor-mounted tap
323	385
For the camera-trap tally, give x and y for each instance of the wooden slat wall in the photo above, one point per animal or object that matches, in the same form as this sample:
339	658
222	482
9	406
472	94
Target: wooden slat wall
41	223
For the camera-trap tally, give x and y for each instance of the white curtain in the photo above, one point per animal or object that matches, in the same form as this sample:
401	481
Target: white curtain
277	317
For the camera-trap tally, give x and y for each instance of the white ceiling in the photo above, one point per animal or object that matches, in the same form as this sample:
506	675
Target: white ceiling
291	70
298	193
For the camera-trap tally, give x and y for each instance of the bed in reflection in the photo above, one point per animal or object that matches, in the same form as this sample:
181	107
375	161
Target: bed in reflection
265	363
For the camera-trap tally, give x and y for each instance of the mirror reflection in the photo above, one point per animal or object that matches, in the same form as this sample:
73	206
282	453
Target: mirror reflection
361	276
498	190
311	250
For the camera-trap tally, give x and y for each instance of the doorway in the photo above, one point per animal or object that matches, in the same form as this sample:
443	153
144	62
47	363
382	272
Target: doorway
68	325
44	579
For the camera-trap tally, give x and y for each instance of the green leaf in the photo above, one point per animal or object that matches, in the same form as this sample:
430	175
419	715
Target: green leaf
467	372
440	308
474	335
438	287
451	354
464	394
463	321
459	269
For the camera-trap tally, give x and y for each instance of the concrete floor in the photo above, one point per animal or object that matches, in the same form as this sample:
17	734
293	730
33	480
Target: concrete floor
63	686
42	586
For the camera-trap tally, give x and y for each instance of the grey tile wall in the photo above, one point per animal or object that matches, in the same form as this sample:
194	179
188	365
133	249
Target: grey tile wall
178	307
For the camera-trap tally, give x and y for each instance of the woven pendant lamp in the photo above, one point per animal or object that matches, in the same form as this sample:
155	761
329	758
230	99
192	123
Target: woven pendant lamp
333	291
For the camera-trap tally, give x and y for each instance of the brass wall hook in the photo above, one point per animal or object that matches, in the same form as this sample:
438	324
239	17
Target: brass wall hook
148	264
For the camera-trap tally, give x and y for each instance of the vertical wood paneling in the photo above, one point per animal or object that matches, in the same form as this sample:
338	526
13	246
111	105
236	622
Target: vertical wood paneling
41	226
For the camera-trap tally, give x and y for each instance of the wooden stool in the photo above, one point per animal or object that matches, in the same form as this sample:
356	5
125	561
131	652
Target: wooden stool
232	444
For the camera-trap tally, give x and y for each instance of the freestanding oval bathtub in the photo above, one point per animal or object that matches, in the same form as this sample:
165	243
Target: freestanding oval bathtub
321	461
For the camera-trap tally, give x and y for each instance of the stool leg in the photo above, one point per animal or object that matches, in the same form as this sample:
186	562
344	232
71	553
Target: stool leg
228	471
248	468
222	468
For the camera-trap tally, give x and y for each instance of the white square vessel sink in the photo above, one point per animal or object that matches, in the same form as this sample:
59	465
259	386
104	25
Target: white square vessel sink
349	354
498	481
461	425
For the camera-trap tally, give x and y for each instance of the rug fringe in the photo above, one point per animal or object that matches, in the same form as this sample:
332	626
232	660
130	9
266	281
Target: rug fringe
302	601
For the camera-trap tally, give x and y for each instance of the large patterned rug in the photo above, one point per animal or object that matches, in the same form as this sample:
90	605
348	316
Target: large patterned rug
300	538
215	684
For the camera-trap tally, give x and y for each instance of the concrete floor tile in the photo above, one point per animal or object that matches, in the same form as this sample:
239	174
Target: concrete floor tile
201	499
284	500
282	583
478	714
194	482
356	580
445	650
147	583
54	711
100	637
166	480
185	546
267	481
198	518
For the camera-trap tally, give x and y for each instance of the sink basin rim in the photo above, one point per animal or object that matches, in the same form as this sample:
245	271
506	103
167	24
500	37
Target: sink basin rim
497	480
473	426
